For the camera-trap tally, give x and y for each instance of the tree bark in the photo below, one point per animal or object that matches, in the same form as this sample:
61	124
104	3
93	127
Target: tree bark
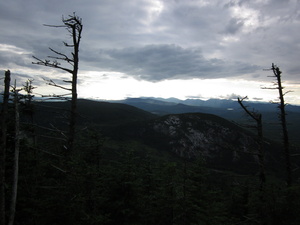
3	132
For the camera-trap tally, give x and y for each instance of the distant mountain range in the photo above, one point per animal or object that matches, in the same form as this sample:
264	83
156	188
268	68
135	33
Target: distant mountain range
228	109
216	106
208	128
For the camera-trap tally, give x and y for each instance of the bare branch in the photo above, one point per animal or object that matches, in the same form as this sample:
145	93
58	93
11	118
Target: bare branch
55	97
267	69
48	25
67	45
56	167
65	57
53	129
59	58
50	64
287	92
253	115
270	88
52	83
51	137
58	53
50	153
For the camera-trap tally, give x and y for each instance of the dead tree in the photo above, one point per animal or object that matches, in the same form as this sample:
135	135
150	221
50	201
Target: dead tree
3	132
73	24
282	117
257	117
14	192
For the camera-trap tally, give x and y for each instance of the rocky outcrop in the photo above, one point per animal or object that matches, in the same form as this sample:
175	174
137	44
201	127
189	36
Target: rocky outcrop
191	135
222	144
219	142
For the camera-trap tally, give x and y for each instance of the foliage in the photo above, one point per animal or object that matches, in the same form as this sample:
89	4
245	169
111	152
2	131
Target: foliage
110	182
113	180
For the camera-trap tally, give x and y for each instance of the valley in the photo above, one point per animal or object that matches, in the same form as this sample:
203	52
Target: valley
184	165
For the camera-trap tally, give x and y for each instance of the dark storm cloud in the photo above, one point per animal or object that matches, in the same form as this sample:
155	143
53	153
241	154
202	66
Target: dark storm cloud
159	39
161	62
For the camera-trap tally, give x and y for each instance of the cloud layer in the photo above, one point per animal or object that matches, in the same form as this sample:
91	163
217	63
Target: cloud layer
158	40
162	62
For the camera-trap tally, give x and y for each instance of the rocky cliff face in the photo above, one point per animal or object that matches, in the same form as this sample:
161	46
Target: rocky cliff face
219	142
191	135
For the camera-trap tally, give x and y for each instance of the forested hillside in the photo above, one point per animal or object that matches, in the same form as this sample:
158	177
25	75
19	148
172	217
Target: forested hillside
228	109
129	166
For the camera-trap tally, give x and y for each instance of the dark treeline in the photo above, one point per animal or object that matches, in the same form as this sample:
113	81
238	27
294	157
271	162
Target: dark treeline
106	180
128	185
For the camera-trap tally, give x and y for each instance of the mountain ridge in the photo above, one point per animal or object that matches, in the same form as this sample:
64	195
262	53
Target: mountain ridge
227	109
211	103
223	144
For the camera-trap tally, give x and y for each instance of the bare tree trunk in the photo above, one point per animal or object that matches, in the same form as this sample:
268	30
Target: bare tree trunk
282	115
72	124
3	132
16	160
261	153
74	26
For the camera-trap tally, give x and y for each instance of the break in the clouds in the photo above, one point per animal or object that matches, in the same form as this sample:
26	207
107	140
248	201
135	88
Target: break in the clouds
156	40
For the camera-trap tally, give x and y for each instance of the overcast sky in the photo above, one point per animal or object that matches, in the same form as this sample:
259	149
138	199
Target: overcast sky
161	48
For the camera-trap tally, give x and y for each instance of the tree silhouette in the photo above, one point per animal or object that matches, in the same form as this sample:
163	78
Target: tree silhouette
282	117
257	117
3	132
15	176
74	26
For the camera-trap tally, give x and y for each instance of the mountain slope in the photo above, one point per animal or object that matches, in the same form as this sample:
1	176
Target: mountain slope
227	109
222	144
110	113
90	112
